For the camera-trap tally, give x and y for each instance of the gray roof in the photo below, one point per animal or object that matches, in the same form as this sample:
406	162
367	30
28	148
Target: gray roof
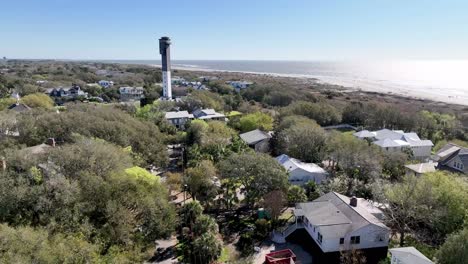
291	164
364	134
333	209
389	143
18	107
38	149
178	114
422	167
450	151
254	136
410	255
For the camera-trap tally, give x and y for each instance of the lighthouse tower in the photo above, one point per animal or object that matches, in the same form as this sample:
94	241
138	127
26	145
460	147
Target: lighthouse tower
164	50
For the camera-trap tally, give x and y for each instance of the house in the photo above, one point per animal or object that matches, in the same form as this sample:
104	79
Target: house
452	157
397	141
208	78
106	84
338	223
257	139
239	85
177	80
131	93
300	172
420	168
179	118
408	255
19	107
208	114
67	93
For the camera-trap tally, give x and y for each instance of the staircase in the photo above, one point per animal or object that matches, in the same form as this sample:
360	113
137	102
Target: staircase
279	236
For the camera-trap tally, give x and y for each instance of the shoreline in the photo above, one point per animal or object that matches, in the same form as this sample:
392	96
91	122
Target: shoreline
431	94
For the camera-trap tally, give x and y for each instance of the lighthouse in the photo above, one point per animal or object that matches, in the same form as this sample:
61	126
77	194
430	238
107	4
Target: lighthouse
164	50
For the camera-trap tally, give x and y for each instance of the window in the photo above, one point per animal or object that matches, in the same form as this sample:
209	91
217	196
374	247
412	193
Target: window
342	241
355	239
319	236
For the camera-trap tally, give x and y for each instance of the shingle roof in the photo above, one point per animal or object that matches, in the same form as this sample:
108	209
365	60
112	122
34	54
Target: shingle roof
422	167
450	151
178	114
254	136
19	107
364	134
334	209
410	255
292	164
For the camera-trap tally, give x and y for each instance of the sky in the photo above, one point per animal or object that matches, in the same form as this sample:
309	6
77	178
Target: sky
235	29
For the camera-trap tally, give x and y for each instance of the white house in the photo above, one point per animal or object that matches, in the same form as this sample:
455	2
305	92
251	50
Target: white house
131	93
397	141
300	172
208	114
453	158
257	139
408	255
238	85
106	84
179	118
337	222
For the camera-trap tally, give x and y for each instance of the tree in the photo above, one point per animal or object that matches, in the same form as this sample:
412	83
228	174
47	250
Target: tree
358	161
200	180
204	224
430	207
322	112
190	213
274	202
206	248
38	100
256	120
393	164
303	141
311	191
455	249
296	194
258	174
95	121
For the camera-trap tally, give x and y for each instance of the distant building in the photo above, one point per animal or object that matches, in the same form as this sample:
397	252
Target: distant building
452	157
208	114
19	107
177	80
300	172
408	255
131	93
41	82
239	85
72	92
397	141
106	84
179	118
339	223
257	139
208	78
102	72
420	168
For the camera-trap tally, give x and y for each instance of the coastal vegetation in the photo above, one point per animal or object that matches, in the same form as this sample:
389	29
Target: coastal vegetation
104	188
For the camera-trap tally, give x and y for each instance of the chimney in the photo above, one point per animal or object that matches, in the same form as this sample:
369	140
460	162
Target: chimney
353	201
51	142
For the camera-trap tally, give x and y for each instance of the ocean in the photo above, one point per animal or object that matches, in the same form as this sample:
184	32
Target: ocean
438	80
